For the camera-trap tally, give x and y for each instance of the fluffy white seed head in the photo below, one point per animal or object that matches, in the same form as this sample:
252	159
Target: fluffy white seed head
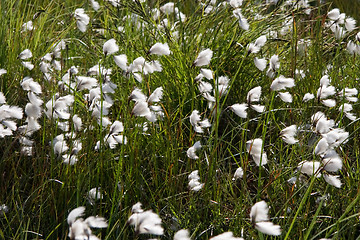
260	63
182	234
308	96
254	95
121	61
240	109
239	173
226	236
285	97
203	58
82	19
160	49
333	180
281	83
26	54
110	47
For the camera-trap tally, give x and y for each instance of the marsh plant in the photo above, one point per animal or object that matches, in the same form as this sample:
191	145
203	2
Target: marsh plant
178	120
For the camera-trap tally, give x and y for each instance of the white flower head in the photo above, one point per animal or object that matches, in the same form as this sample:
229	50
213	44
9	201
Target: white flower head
194	181
26	54
310	168
160	49
255	149
203	58
281	83
182	234
308	96
80	228
82	19
288	134
332	180
226	236
260	63
28	26
259	215
191	152
145	222
243	23
95	5
110	47
239	173
240	109
168	8
254	95
121	61
285	97
196	122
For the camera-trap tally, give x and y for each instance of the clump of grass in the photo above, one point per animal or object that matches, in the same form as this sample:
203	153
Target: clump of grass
106	135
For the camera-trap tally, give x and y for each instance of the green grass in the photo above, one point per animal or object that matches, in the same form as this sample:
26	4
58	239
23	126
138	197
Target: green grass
153	168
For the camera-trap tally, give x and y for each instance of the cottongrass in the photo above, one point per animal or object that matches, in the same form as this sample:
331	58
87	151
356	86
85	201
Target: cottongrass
90	118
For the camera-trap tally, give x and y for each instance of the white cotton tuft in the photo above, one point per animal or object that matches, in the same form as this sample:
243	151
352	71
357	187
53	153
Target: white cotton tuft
329	103
259	212
268	228
239	173
333	180
26	54
332	161
194	181
191	152
95	5
285	97
281	83
236	3
110	47
260	63
168	8
2	98
121	61
156	96
28	65
260	41
240	109
255	149
325	91
146	222
2	71
243	23
310	168
137	95
82	19
258	108
83	82
288	134
182	234
77	122
259	215
207	73
160	49
321	147
75	213
273	66
141	109
203	58
350	24
308	96
226	236
334	14
254	95
28	26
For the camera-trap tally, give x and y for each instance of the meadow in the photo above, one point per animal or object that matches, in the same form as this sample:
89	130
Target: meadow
179	120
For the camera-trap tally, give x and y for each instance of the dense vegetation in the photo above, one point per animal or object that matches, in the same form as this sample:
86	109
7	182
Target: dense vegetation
95	112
